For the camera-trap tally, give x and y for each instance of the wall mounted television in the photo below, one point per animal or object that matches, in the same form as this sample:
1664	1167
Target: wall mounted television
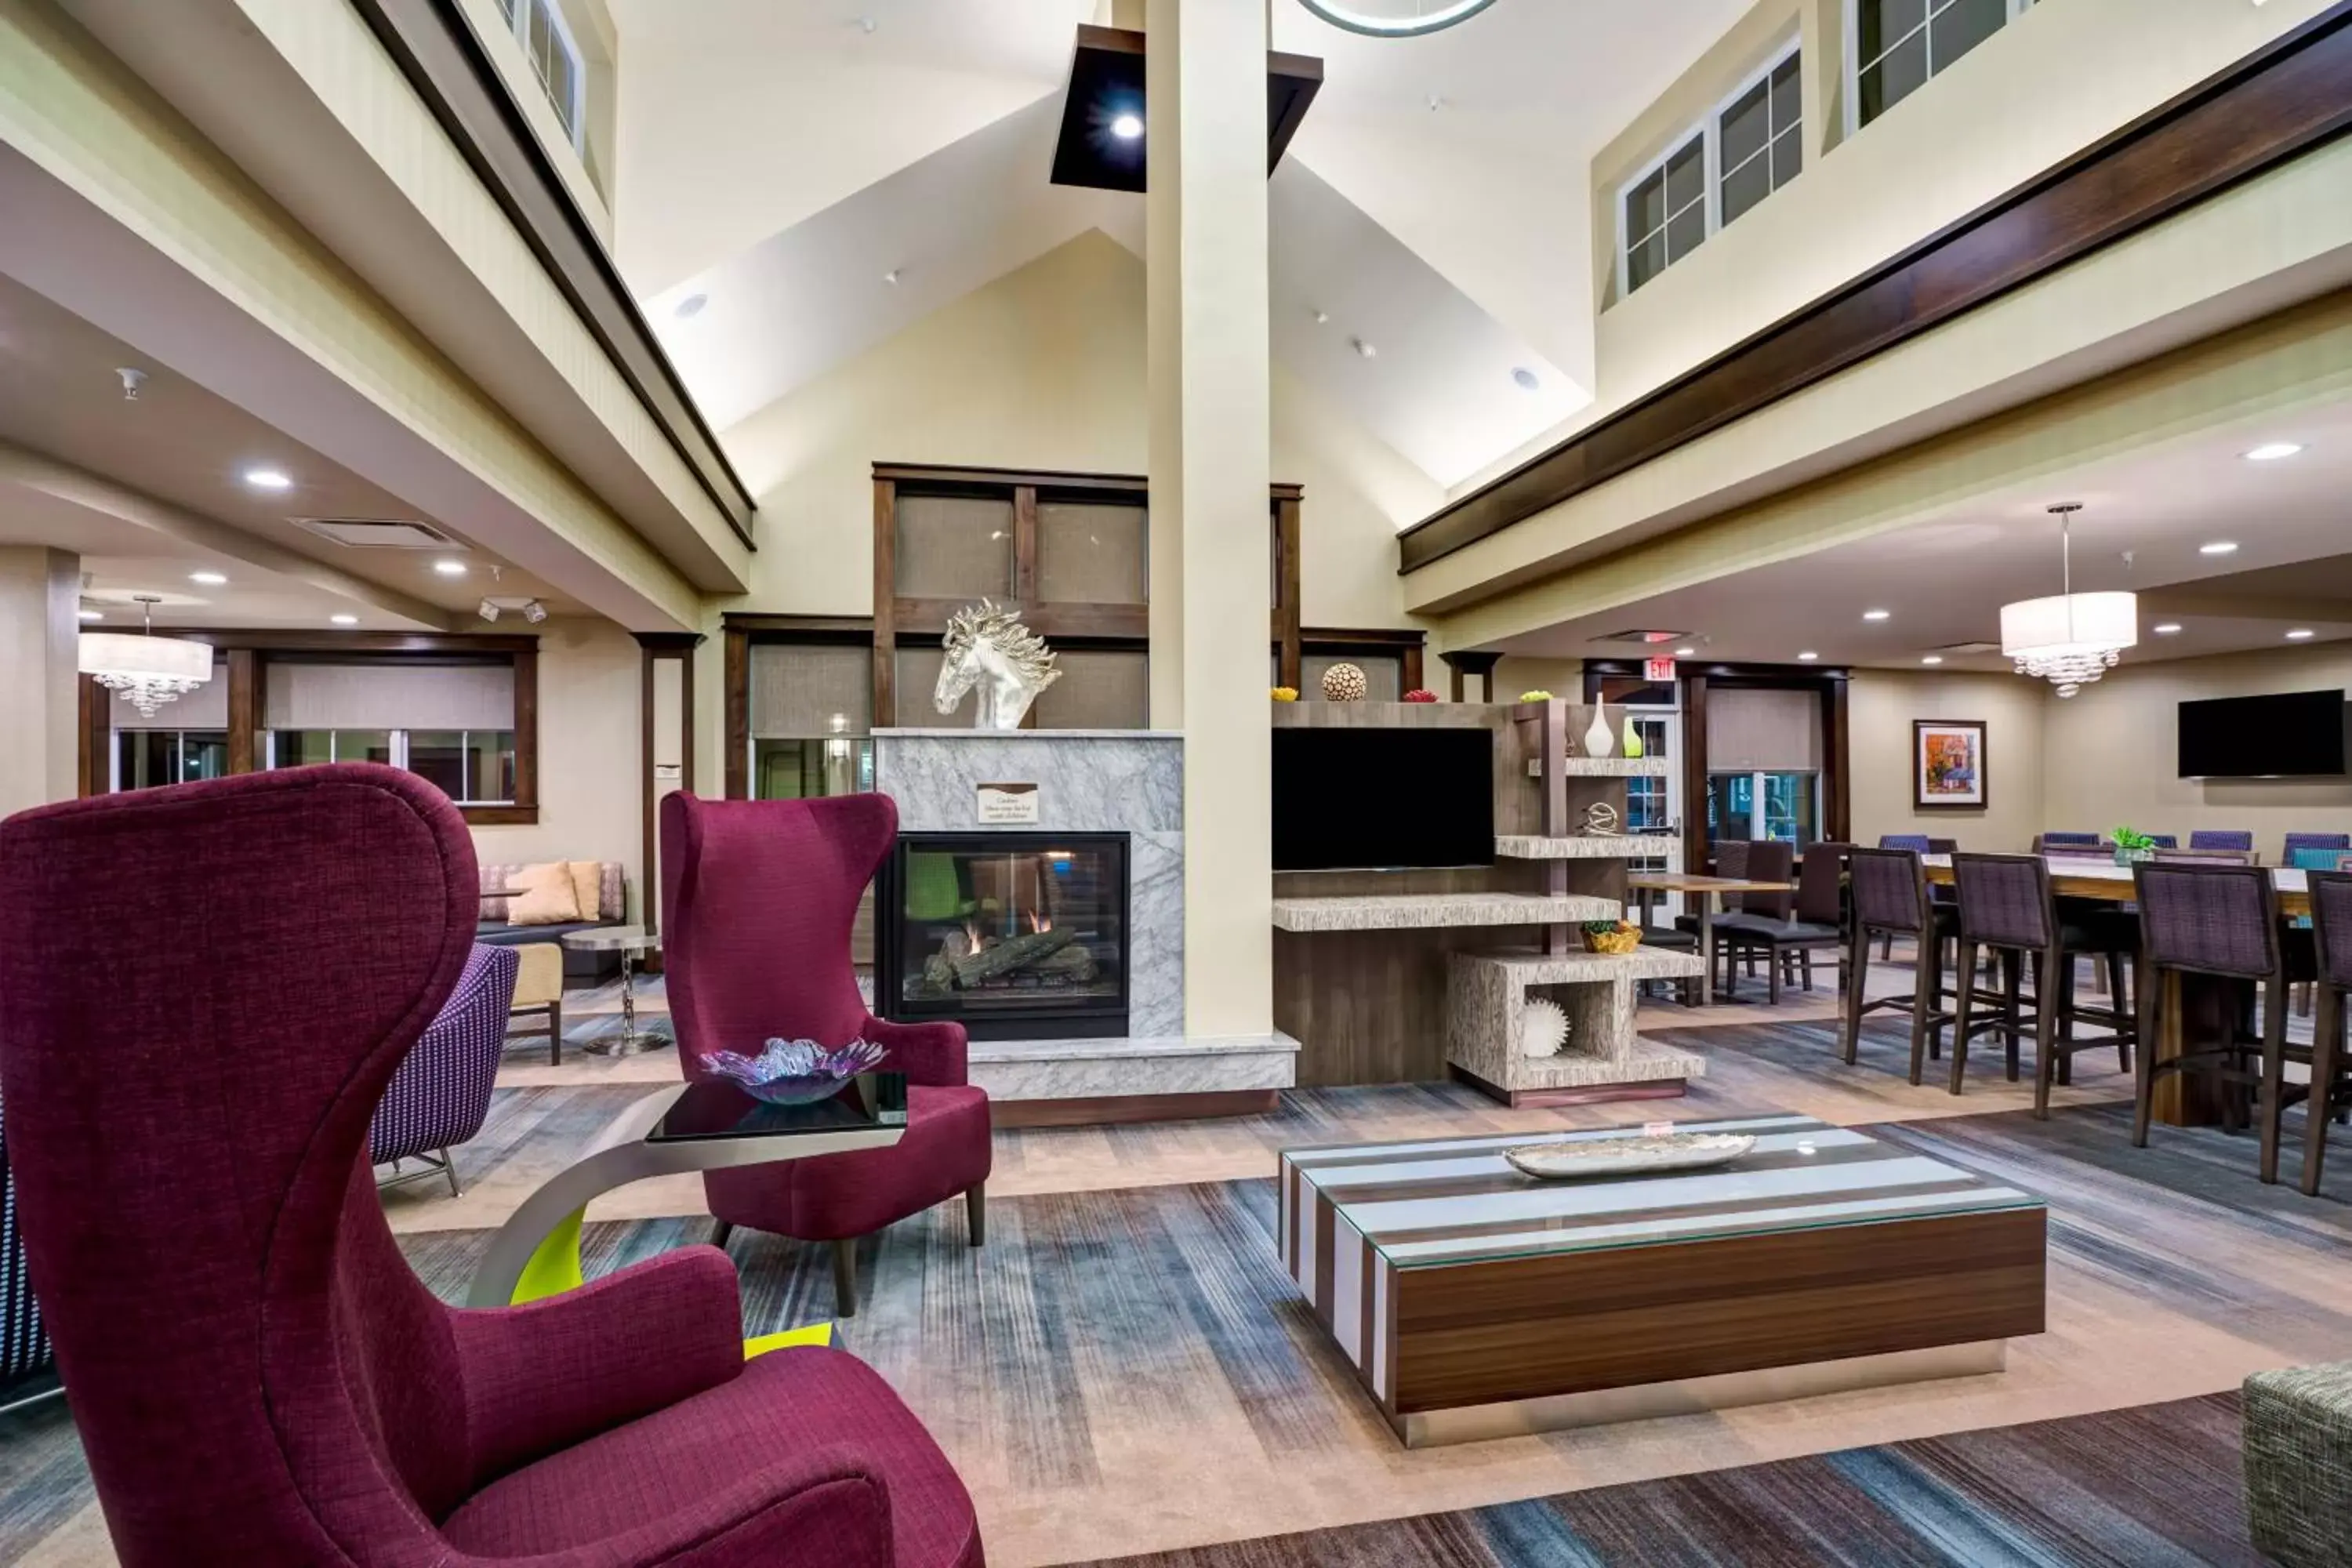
1351	800
2295	734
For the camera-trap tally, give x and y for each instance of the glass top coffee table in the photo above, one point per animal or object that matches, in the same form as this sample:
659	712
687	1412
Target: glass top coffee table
1475	1301
707	1125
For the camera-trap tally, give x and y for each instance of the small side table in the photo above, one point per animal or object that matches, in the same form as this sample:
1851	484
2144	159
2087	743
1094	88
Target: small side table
707	1125
630	943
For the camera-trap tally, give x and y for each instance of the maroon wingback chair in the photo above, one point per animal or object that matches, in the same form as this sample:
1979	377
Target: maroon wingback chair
758	897
204	990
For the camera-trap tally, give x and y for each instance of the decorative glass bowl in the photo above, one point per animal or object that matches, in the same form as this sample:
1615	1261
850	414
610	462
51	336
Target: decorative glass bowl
794	1072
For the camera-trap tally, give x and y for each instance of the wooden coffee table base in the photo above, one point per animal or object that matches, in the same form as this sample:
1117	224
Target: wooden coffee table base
1725	1391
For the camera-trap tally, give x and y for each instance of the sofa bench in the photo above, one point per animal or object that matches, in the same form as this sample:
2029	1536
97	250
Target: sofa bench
579	968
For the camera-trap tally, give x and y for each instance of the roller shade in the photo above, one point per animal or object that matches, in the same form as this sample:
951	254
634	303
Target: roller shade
797	688
390	697
1768	732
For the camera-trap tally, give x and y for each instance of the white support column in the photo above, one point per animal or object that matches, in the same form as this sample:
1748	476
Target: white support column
40	591
1211	463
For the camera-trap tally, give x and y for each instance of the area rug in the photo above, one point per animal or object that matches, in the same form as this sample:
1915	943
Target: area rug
2143	1488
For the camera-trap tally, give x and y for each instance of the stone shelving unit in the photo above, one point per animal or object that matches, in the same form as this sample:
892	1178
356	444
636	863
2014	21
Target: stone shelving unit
1605	1057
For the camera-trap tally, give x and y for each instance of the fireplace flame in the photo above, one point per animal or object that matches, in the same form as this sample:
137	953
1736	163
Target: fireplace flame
1038	922
971	937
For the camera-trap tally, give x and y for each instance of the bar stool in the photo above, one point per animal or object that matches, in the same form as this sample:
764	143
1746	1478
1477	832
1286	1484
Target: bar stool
2221	921
2006	905
2331	1069
1890	899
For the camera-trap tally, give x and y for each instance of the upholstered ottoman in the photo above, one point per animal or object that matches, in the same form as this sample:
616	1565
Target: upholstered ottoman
2298	1442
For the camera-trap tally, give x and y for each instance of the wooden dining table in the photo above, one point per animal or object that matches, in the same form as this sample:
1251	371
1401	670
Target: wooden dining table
1710	891
2196	1007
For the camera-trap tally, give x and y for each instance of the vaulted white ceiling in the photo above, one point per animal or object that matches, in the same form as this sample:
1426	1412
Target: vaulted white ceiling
781	160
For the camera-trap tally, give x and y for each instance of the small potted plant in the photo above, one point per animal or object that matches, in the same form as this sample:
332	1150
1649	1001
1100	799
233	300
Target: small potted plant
2132	847
1611	936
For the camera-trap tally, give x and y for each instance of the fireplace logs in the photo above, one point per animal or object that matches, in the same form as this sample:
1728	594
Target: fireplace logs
968	961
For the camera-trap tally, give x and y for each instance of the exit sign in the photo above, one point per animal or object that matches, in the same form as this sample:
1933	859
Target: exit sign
1657	670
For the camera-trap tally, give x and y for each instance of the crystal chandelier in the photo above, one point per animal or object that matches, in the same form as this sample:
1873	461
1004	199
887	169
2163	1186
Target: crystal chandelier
147	670
2072	639
1395	18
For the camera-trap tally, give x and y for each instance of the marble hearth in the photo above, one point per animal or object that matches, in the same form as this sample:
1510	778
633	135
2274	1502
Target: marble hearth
1085	781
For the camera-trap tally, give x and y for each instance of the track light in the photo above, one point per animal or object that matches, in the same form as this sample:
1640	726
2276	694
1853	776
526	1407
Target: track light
487	609
533	611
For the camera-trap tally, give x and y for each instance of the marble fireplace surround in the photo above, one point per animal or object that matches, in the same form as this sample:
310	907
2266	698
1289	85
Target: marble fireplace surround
1090	781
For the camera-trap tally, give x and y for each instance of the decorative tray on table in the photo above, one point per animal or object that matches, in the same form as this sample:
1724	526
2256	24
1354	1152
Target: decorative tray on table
1634	1154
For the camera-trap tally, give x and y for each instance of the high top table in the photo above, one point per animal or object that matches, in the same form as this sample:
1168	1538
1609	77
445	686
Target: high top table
2193	1004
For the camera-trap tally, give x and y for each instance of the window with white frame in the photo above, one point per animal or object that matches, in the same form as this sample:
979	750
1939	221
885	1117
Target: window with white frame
1896	45
472	767
547	42
1751	145
1759	140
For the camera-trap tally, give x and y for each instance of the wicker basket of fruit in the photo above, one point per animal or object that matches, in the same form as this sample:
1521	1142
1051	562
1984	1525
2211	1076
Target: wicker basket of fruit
1611	936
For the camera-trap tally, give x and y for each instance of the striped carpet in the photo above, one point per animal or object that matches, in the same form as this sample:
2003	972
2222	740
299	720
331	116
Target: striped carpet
2147	1488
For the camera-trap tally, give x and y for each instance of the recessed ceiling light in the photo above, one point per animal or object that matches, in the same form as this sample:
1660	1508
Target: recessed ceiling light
691	307
2218	547
1808	655
1686	653
450	568
1525	379
209	579
1365	349
1127	127
344	620
2271	451
891	277
93	614
269	479
1875	615
2301	634
2168	628
1932	658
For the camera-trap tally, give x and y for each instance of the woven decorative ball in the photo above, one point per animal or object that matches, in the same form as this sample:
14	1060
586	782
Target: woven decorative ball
1344	683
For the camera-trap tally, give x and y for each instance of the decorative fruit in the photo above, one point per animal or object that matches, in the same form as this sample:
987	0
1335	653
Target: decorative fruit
1539	695
1420	694
1285	694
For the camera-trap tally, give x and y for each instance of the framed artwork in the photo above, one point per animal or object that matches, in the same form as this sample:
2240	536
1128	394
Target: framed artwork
1947	763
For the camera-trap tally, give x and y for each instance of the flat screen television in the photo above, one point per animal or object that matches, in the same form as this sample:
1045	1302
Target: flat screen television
1351	800
2293	735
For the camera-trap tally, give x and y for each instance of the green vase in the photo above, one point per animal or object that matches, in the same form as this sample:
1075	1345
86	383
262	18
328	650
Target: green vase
1633	746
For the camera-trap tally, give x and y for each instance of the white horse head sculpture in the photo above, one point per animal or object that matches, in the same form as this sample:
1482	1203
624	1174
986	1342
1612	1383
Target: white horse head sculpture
989	647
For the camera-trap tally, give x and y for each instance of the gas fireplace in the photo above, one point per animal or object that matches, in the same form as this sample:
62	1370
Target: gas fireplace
1014	935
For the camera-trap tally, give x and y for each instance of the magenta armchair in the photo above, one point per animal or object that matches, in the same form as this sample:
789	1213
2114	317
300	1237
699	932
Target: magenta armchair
758	897
257	1375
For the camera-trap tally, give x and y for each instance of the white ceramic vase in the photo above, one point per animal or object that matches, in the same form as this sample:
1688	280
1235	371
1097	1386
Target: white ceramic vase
1599	739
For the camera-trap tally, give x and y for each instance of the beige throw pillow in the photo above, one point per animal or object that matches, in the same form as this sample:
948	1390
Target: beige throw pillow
548	895
588	888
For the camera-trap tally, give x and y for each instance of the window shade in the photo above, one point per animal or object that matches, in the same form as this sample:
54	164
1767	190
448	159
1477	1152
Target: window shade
1099	689
390	697
205	707
1090	553
797	688
954	547
1771	731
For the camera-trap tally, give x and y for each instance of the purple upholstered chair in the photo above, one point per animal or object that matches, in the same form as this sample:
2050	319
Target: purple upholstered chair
2221	839
1917	843
758	897
441	1092
257	1375
2295	841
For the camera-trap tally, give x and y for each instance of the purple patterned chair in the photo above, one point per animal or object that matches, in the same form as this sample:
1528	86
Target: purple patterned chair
758	897
257	1375
440	1093
2221	839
